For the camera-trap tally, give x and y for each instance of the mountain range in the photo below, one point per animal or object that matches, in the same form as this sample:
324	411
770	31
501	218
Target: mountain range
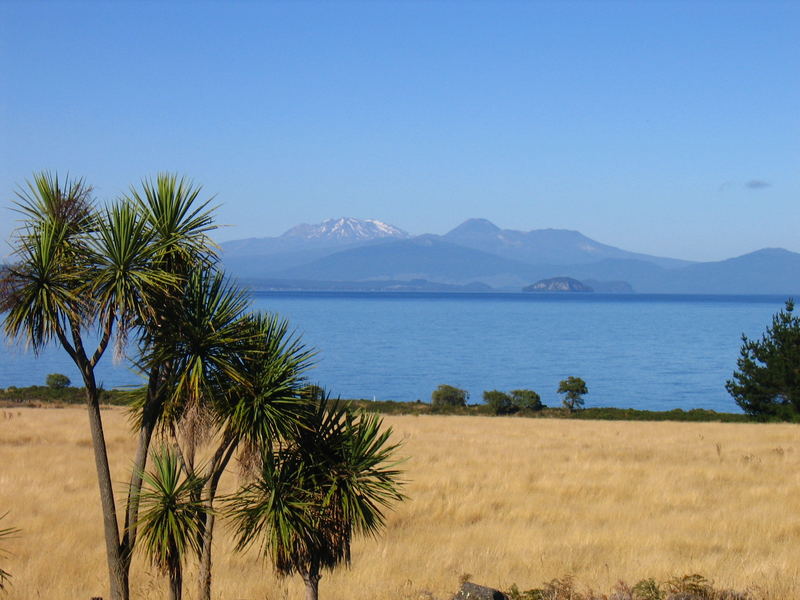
349	253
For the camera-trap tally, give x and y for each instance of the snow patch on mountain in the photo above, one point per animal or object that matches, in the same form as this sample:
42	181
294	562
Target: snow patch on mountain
347	229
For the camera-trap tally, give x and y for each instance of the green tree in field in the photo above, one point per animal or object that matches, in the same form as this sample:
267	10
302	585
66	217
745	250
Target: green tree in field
57	381
499	402
170	511
447	395
766	383
311	495
573	389
526	399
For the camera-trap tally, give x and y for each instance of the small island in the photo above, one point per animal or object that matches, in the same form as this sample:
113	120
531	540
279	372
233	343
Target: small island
558	284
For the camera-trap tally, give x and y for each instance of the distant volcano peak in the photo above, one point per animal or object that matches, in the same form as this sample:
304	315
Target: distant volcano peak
346	229
474	227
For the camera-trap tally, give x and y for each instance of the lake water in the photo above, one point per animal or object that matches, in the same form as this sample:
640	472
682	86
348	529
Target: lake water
642	351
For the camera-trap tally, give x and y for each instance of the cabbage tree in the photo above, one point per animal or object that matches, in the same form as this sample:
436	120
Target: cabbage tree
85	276
334	480
170	510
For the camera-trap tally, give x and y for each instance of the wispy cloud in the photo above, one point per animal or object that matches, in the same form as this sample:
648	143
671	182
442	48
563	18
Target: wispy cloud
757	184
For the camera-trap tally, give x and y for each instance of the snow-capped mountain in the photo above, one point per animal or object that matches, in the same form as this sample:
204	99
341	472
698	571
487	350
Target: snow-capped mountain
347	229
351	250
305	242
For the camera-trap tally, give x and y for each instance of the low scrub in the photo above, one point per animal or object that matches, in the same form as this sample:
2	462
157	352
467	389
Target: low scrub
392	407
42	395
687	587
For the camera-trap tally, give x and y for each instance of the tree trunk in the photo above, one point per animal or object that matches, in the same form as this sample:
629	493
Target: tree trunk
150	416
132	512
176	583
312	585
117	564
205	559
218	463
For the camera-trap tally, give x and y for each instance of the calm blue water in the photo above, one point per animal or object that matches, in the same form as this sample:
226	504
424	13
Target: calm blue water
642	351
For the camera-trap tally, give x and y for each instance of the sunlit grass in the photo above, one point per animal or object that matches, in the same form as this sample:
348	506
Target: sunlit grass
506	500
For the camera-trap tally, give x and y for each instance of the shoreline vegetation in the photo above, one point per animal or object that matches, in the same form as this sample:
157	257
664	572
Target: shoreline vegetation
41	396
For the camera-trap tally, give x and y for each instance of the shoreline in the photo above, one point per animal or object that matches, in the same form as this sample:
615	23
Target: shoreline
45	397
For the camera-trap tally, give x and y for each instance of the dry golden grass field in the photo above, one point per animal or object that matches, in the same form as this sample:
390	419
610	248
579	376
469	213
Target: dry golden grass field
506	500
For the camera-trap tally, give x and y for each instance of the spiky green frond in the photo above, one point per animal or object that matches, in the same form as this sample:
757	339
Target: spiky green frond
5	534
47	198
128	279
170	510
52	254
275	512
313	495
368	480
45	286
178	219
268	402
200	341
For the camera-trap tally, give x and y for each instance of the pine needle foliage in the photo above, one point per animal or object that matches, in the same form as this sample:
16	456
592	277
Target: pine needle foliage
766	383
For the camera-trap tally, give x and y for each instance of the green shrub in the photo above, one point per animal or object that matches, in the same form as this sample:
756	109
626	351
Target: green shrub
688	587
526	399
447	395
647	589
694	586
499	402
67	395
57	381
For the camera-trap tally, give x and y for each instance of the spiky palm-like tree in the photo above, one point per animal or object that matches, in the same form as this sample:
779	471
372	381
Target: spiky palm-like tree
145	267
5	533
170	511
242	373
333	481
79	268
178	223
215	371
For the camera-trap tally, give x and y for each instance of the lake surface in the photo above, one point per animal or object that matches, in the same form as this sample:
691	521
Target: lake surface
642	351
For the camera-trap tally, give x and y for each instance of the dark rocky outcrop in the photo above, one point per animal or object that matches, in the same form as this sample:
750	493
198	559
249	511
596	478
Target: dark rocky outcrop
473	591
558	284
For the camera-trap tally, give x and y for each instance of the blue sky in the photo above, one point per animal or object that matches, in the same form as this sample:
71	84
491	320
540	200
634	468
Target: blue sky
670	128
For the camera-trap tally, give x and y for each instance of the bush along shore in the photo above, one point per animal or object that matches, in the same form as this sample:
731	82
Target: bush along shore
391	407
44	396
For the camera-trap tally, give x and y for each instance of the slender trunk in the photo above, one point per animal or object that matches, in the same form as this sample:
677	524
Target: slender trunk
205	559
221	458
117	564
311	580
150	415
176	583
